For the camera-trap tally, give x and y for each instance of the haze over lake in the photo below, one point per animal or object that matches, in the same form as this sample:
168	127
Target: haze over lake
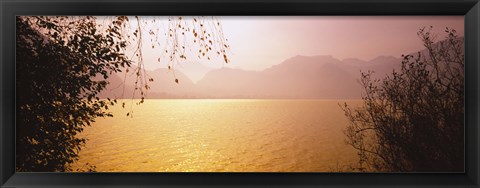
218	135
285	118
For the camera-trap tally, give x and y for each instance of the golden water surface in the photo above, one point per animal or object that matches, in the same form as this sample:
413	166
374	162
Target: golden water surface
220	136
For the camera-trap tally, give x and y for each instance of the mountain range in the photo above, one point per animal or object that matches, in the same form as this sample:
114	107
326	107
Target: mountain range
299	77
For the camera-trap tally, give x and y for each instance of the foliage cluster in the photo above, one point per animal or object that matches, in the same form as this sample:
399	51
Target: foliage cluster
413	120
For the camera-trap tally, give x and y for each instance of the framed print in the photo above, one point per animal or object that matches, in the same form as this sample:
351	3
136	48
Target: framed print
239	93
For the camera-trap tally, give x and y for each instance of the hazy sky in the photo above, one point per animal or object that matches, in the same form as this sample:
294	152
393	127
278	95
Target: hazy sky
260	42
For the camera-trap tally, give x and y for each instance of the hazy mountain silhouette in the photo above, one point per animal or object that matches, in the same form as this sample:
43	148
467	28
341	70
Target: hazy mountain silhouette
122	85
302	77
320	77
195	71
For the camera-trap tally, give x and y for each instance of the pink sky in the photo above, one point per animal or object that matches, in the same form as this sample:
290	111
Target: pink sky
260	42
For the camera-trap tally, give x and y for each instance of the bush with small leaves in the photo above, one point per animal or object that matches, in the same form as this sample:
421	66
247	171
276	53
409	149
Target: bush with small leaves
413	120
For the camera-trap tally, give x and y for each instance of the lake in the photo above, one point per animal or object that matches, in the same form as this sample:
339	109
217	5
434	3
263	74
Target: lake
220	135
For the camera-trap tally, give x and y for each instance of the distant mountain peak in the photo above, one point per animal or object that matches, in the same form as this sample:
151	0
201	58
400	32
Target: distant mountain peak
383	58
353	59
302	59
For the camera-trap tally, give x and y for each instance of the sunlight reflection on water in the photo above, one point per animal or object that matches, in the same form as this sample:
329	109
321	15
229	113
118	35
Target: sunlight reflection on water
220	136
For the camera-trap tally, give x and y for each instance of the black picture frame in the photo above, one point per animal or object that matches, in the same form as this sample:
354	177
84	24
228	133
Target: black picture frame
11	8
